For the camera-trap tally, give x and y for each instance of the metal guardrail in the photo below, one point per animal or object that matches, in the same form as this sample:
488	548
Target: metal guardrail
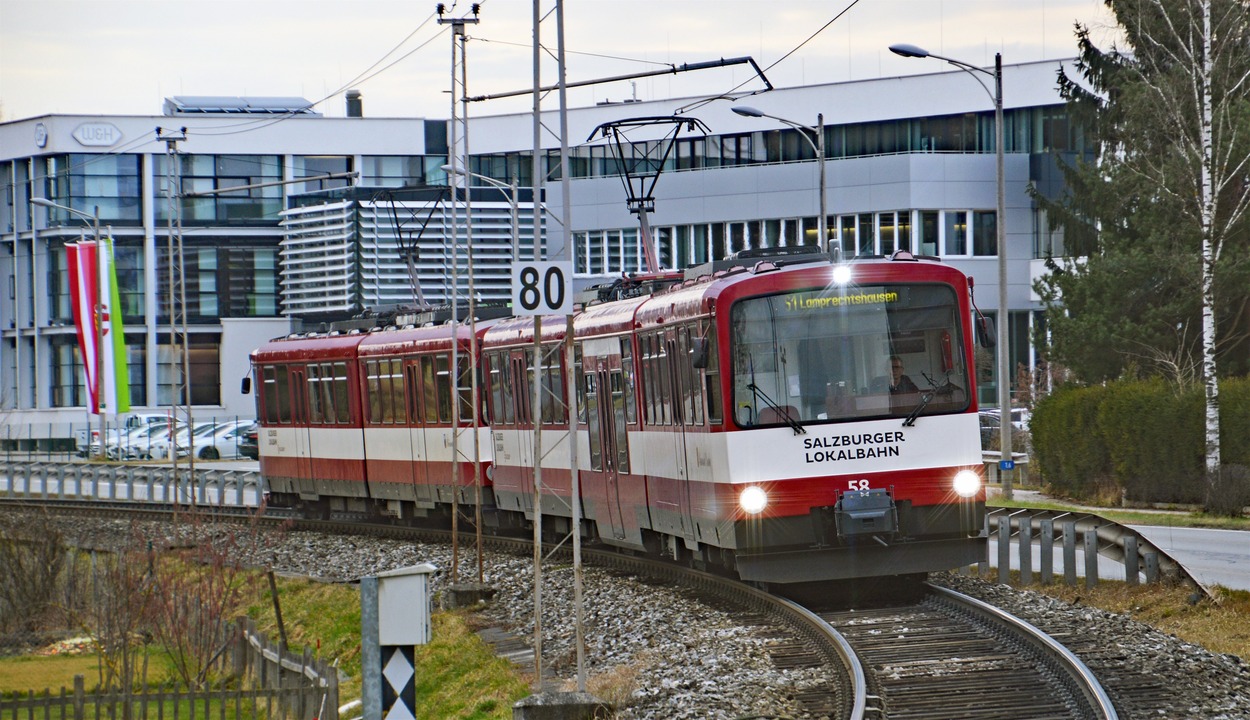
131	483
1043	530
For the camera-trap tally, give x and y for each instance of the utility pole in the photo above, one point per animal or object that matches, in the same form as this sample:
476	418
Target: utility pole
181	362
457	35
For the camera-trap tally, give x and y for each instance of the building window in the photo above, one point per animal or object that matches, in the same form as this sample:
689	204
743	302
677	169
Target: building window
204	369
984	233
955	233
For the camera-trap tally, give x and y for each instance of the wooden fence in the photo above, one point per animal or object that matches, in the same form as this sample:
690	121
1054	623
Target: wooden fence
271	683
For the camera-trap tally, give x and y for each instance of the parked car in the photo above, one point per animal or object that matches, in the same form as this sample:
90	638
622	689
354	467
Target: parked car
160	449
249	446
225	441
138	443
1022	441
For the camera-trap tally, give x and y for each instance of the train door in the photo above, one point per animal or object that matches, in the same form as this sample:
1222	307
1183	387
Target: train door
413	383
609	442
300	419
520	364
679	385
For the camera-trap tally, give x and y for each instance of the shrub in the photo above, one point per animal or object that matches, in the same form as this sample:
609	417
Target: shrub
1070	456
1228	493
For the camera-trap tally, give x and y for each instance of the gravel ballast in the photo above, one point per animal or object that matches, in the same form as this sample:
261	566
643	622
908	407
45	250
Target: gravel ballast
662	653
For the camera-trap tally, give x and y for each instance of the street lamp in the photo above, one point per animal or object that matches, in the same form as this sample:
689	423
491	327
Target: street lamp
818	145
96	309
1004	365
513	200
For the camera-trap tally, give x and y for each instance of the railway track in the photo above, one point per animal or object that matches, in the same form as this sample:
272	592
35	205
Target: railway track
946	656
952	656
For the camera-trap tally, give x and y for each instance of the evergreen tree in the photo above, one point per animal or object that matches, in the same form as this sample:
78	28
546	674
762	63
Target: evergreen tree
1159	217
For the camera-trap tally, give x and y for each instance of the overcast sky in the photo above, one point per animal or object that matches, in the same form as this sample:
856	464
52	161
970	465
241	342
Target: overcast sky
125	56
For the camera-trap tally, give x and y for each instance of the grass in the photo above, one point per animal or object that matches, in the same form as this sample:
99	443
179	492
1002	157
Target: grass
1221	625
458	674
22	673
1125	516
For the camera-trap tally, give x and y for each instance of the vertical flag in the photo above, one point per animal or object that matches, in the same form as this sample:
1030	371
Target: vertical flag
115	374
83	290
92	277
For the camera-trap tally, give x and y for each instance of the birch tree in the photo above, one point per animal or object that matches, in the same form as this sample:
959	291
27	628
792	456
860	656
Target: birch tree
1170	113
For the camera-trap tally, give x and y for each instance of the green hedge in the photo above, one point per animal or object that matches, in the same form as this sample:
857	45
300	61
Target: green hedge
1139	440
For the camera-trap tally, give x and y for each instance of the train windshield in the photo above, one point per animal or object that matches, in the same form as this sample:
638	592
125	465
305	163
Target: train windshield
826	355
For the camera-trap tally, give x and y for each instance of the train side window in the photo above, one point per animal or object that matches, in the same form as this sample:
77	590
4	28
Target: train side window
581	387
371	390
631	384
712	377
442	374
399	410
386	411
284	397
663	385
342	410
592	412
327	395
648	378
429	392
696	386
495	385
269	394
553	388
313	379
465	380
507	406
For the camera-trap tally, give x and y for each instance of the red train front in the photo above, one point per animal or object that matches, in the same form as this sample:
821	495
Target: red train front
751	419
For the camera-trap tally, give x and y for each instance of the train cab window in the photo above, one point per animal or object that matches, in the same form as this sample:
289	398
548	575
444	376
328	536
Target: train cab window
815	356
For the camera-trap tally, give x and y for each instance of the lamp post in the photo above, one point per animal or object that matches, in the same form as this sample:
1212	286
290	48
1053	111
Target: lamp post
1004	364
818	145
96	309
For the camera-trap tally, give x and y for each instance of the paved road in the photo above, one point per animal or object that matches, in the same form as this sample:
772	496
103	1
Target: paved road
1214	557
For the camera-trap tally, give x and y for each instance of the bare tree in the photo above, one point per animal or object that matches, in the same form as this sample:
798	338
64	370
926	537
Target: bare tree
31	562
201	594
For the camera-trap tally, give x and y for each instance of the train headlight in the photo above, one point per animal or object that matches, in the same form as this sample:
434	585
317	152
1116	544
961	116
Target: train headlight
753	500
967	483
842	274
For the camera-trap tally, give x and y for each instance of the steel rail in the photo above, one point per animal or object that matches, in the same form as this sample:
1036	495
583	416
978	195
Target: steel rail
1082	678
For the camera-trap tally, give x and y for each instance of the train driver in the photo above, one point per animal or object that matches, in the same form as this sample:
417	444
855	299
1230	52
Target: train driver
900	384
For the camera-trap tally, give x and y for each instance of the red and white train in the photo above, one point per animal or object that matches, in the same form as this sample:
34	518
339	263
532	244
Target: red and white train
747	418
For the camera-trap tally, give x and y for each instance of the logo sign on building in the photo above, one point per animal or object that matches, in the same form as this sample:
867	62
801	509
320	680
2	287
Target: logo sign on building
542	288
97	134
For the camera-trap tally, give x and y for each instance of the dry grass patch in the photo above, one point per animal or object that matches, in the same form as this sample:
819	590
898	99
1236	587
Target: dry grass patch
1221	626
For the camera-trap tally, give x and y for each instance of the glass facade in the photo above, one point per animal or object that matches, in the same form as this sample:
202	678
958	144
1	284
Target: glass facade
205	173
224	279
110	183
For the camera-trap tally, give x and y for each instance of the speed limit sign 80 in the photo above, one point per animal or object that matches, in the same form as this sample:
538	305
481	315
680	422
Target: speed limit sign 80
542	288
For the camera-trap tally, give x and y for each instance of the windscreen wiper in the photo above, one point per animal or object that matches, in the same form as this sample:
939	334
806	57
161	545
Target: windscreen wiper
946	388
790	420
